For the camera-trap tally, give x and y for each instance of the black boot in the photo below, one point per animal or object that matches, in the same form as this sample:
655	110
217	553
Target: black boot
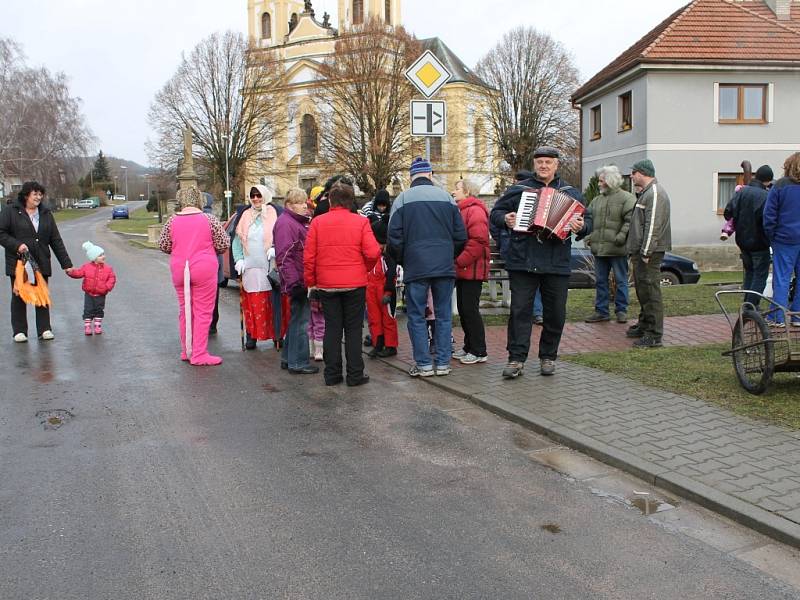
250	342
376	348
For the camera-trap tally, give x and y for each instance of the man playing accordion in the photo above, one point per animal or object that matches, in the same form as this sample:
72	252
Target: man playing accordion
536	262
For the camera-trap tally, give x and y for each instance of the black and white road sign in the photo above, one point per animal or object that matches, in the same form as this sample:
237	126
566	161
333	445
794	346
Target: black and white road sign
428	118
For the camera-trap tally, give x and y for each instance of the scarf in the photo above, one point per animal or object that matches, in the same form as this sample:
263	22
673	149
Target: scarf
268	217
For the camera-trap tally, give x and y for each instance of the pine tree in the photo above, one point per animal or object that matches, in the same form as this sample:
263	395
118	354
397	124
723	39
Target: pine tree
592	190
100	169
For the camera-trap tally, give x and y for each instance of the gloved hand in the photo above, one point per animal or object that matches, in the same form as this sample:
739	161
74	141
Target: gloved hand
298	292
270	253
239	266
387	298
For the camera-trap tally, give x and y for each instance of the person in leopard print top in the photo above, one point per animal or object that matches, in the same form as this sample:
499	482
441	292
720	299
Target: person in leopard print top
192	238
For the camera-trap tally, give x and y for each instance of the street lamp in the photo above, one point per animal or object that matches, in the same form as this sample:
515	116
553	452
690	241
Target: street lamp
228	193
115	185
125	169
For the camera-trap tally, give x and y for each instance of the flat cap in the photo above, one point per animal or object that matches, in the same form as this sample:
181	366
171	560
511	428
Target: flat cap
546	151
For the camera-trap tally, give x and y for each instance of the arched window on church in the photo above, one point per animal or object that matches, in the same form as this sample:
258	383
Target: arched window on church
266	26
436	151
388	10
479	141
308	139
358	12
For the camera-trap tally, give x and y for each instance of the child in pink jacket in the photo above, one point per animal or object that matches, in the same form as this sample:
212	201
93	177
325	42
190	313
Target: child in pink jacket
98	280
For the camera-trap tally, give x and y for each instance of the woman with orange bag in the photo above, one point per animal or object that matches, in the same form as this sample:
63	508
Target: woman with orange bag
27	227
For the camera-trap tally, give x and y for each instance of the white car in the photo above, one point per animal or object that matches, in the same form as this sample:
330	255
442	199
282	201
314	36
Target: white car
120	198
84	204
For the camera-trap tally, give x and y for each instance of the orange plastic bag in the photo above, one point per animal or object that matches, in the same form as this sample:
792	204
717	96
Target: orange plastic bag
35	293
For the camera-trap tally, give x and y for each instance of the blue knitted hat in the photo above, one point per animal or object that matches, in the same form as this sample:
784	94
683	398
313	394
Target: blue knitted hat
92	251
420	165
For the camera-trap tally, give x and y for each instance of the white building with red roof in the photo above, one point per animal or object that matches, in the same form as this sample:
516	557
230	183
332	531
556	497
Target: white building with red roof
716	83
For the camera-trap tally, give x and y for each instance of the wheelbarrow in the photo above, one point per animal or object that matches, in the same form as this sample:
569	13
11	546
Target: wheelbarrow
759	346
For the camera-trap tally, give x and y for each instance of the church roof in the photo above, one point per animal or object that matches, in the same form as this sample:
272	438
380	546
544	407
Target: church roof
739	32
461	72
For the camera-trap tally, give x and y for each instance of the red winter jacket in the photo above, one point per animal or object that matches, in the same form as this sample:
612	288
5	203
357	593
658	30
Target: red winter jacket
98	280
340	249
473	262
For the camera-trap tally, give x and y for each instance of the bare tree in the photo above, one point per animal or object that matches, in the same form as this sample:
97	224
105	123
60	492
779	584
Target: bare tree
41	123
364	103
534	76
219	90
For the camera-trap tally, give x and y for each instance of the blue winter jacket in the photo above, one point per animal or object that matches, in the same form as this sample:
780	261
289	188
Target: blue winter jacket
426	232
782	212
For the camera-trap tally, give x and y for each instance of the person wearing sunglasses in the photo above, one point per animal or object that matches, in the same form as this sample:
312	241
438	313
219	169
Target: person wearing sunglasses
253	251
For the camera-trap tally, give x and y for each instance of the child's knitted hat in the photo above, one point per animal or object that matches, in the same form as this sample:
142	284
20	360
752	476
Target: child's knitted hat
92	251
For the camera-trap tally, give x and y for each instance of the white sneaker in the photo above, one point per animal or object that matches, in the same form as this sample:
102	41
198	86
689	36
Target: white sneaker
317	350
47	335
20	337
459	353
471	359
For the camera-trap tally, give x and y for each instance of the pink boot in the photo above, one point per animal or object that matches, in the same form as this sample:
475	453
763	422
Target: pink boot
98	326
87	327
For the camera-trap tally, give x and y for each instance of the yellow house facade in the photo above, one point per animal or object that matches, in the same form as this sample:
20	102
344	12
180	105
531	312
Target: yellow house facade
302	41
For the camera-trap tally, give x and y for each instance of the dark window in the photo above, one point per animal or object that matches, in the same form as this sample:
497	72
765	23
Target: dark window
388	11
742	103
266	26
625	112
308	139
726	186
595	122
436	150
358	12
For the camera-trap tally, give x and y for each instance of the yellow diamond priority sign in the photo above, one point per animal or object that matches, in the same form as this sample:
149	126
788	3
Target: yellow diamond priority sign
428	74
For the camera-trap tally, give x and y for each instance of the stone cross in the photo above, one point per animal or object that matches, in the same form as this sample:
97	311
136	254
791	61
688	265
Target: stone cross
187	177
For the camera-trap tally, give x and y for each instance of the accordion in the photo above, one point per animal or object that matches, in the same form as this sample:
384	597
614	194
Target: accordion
546	212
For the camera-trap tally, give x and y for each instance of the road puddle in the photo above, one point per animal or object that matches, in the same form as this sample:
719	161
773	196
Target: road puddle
650	506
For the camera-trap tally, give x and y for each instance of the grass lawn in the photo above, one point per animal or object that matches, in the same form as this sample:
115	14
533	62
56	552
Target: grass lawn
679	301
720	277
703	373
137	223
67	214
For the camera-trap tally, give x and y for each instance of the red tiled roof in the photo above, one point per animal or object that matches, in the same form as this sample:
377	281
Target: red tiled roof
712	31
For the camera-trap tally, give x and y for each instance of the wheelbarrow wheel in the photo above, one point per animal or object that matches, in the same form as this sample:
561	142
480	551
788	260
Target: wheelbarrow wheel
755	364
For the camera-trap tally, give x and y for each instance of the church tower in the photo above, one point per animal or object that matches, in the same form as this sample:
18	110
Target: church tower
269	21
357	12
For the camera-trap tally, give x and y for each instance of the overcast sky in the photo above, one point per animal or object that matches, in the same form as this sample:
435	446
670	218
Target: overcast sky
118	54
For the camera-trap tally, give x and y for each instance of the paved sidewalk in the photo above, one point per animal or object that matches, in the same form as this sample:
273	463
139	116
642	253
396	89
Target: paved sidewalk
741	468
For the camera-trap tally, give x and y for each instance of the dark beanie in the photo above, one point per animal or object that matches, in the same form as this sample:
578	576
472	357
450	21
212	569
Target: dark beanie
765	174
382	197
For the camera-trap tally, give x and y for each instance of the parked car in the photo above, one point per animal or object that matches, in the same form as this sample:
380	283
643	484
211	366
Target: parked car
92	202
120	198
675	270
120	212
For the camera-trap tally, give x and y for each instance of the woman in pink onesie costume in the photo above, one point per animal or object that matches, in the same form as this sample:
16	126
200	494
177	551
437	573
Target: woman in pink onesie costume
193	239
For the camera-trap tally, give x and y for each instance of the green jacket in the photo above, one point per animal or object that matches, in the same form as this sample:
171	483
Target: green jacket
608	219
650	224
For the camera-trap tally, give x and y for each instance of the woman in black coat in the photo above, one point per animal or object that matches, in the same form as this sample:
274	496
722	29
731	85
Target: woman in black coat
28	225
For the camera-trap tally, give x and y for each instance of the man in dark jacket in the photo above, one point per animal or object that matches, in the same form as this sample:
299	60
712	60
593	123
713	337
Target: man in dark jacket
425	235
534	263
746	208
649	238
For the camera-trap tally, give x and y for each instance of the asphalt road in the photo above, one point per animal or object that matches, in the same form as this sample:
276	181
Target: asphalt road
243	481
